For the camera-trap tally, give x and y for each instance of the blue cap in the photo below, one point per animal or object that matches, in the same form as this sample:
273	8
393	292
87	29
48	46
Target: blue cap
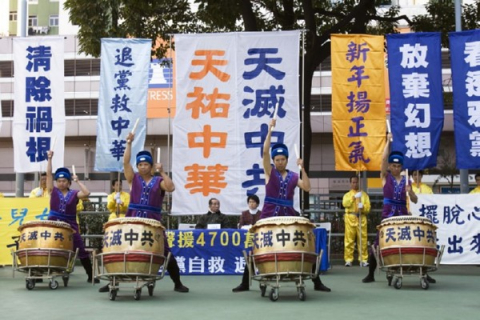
144	156
63	173
395	157
279	149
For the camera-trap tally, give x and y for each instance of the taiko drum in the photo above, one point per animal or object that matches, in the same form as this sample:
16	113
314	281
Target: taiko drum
48	243
407	240
283	245
133	245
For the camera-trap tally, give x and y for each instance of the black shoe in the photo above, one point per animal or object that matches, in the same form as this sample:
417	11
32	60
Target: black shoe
321	287
104	289
368	279
89	280
181	288
430	279
241	288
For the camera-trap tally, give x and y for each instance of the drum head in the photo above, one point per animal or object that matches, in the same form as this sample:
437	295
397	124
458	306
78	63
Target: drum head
281	221
45	223
134	220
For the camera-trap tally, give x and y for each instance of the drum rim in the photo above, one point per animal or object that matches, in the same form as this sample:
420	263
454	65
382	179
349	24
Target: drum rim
49	223
134	220
282	220
406	219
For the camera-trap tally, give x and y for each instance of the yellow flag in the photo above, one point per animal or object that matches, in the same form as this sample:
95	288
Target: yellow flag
358	101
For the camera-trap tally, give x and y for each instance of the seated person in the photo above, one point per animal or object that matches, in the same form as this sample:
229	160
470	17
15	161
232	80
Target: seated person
118	200
213	216
250	216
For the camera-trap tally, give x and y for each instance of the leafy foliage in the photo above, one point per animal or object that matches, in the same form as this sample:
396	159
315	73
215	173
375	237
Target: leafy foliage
150	19
441	17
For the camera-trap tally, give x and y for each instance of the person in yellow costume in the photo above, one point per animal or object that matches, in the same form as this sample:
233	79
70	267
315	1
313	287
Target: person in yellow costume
418	186
41	190
477	179
357	206
117	200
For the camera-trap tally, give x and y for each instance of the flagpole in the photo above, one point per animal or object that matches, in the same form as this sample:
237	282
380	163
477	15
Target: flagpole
302	115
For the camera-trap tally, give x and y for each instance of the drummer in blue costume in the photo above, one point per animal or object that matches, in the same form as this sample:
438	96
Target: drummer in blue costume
279	193
395	189
63	207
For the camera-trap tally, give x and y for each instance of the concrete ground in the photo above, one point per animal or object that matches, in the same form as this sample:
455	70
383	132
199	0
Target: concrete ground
454	296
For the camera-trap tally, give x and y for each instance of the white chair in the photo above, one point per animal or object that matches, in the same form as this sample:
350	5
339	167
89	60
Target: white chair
328	227
186	226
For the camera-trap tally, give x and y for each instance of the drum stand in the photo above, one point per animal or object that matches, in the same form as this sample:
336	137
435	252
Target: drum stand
48	272
273	279
140	280
396	272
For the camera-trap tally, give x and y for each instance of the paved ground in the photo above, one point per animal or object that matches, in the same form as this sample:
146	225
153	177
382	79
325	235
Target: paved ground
455	296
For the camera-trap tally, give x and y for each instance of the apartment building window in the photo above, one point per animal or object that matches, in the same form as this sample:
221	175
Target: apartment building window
13	16
32	21
53	20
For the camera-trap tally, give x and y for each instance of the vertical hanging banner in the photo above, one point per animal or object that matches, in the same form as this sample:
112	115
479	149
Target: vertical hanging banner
415	67
39	117
465	60
227	88
122	100
358	101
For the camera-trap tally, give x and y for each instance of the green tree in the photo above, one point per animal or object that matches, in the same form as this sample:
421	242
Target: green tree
149	19
441	17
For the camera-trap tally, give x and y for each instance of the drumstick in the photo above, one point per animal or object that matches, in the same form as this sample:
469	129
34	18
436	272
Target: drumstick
134	127
389	129
158	155
275	114
298	157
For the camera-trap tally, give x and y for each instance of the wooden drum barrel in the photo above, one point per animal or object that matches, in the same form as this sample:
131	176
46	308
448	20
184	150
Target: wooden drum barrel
133	245
48	243
284	244
407	240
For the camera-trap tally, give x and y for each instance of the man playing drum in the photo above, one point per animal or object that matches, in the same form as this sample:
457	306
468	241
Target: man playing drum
395	189
63	207
280	190
146	197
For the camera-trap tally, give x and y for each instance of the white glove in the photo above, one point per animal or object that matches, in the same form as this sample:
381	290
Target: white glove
119	201
358	195
39	192
117	196
360	205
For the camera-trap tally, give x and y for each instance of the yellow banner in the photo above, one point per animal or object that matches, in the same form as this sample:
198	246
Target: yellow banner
13	213
358	101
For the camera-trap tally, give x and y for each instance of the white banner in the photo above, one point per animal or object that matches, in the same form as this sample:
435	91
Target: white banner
227	88
122	100
39	117
457	217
